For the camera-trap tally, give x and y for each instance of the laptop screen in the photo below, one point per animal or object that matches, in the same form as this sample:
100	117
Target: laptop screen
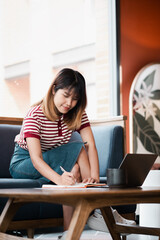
137	167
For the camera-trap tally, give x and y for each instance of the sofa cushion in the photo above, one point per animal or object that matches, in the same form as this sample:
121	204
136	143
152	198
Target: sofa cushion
109	143
7	135
21	183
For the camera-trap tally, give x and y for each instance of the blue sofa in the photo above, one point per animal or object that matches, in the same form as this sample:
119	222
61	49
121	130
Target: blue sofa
109	138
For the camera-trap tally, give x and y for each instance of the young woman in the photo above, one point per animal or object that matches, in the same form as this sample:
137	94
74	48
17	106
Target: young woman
43	143
43	146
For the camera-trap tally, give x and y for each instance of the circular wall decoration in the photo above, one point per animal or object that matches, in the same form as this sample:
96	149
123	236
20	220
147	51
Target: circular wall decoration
144	112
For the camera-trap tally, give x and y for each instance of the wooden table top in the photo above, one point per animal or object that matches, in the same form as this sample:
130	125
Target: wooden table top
84	201
113	196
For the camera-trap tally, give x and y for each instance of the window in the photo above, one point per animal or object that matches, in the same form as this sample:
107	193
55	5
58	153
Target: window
38	38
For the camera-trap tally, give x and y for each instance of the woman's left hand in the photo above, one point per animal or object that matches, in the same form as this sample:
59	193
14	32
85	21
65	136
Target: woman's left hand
90	180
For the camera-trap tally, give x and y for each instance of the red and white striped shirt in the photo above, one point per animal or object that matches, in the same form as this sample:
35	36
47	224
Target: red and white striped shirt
51	134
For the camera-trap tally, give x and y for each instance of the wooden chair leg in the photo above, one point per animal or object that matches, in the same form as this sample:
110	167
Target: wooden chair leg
30	232
124	237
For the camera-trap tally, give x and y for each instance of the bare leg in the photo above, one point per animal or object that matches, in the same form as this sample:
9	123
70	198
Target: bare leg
80	170
76	173
84	165
67	216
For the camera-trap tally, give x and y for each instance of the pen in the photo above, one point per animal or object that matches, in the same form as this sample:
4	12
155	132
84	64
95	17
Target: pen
63	170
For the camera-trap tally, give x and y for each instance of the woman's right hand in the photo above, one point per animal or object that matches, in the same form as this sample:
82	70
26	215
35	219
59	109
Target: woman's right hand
67	178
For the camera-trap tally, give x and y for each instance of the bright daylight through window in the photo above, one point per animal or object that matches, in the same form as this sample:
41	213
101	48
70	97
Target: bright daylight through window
38	38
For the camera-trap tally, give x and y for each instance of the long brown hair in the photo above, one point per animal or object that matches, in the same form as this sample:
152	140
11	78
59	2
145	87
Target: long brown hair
71	80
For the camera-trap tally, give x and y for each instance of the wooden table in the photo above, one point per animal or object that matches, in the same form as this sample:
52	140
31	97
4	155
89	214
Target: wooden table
84	201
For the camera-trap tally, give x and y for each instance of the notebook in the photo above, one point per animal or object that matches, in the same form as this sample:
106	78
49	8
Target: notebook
77	185
137	167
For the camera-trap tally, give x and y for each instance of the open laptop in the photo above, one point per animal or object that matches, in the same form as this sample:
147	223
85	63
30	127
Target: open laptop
137	167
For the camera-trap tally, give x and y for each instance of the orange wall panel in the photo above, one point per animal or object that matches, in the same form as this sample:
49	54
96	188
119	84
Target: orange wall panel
139	43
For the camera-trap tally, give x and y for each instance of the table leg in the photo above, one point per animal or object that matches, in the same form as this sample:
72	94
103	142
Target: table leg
110	221
8	213
79	219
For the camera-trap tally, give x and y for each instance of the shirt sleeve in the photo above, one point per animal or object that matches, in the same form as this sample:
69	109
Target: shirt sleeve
84	122
31	127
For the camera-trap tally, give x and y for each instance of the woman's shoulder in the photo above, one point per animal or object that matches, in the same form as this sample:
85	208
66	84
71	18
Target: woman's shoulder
84	117
34	111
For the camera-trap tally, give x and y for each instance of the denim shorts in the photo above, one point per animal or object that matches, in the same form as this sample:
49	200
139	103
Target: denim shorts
66	156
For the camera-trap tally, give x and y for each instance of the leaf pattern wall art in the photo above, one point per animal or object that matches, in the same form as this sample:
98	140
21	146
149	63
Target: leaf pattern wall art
145	111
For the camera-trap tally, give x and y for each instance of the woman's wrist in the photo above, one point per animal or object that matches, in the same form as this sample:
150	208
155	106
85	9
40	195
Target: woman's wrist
95	177
95	172
57	179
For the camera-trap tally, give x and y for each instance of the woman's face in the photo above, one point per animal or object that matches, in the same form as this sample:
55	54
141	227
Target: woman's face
65	100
